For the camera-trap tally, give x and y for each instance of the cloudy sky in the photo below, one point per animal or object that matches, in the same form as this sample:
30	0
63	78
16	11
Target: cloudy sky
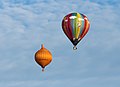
26	24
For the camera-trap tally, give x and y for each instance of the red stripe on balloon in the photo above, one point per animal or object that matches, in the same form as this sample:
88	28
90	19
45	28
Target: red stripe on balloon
86	27
69	26
64	27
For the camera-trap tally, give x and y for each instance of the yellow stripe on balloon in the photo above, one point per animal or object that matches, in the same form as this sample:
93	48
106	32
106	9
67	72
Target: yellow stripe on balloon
78	24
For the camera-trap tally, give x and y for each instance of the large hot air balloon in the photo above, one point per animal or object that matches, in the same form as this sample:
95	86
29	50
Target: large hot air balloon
43	57
75	26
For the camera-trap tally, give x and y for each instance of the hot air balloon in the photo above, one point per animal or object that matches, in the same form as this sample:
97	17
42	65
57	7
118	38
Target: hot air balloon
75	26
43	57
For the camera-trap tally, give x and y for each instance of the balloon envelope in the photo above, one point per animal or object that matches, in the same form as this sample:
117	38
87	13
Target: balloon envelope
43	57
75	26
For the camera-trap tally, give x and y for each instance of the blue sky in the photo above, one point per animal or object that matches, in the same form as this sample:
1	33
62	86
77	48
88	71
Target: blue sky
26	24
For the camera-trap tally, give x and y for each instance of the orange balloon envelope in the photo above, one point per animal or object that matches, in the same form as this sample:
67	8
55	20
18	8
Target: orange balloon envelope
43	57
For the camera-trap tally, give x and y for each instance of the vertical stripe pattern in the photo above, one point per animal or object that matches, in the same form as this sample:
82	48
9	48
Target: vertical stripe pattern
75	26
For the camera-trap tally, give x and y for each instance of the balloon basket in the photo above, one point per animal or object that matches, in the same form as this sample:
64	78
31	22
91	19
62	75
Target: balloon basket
74	48
43	70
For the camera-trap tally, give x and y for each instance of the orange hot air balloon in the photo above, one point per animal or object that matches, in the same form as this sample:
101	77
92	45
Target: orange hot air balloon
43	57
